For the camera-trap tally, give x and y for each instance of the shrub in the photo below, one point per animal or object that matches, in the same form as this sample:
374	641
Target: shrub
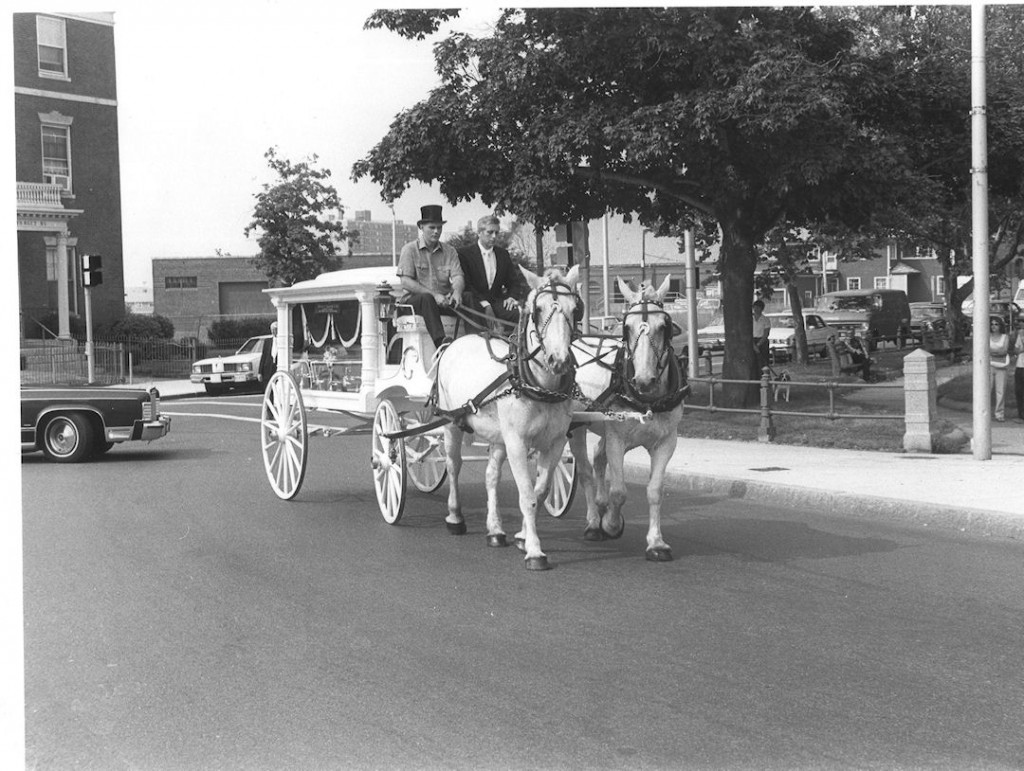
239	329
143	327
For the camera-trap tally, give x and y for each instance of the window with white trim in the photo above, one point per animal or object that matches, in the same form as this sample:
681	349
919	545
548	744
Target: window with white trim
881	282
940	286
52	47
853	282
57	155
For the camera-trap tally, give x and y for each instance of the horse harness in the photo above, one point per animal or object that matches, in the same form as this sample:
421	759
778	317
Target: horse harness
520	378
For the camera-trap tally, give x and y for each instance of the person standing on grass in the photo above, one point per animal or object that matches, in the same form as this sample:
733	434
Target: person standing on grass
762	326
999	359
1018	373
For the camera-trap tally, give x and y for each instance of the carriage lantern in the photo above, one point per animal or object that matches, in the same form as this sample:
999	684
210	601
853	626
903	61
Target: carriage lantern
387	302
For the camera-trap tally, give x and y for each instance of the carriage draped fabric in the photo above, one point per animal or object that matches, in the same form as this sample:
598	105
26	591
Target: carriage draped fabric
328	323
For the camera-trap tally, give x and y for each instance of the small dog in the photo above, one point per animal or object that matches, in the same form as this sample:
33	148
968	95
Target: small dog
780	385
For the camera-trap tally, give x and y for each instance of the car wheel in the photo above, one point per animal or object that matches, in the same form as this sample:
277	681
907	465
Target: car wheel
68	438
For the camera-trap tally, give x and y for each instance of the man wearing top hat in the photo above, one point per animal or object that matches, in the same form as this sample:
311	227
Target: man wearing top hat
431	274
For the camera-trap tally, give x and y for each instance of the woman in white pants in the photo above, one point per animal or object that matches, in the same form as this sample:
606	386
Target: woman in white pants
999	359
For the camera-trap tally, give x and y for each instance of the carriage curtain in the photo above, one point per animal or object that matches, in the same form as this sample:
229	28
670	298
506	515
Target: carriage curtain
328	324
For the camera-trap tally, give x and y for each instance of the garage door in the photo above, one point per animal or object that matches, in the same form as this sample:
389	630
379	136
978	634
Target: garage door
244	298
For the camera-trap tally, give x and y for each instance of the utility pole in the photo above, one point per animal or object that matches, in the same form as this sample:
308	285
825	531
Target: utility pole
982	444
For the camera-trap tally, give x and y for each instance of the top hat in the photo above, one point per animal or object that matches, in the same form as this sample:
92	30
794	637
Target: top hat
430	214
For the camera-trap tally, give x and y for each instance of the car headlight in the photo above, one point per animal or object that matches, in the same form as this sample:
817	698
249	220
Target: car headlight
245	367
195	369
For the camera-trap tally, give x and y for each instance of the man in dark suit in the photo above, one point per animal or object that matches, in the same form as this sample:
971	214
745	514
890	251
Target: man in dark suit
492	279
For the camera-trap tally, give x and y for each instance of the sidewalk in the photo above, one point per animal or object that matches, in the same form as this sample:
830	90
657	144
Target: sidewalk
947	491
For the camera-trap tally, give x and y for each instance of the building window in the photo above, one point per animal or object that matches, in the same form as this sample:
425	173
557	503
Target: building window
940	286
52	45
57	156
853	282
881	282
180	282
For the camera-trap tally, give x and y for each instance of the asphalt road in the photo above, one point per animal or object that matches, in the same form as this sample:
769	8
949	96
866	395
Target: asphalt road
179	616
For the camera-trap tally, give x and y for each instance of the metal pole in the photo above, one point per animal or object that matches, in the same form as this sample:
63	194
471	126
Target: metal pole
982	444
691	304
604	266
89	351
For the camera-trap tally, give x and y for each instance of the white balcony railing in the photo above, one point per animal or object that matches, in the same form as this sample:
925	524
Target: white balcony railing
39	195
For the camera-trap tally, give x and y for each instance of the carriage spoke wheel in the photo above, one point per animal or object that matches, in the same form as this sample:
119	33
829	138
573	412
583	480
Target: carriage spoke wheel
388	461
426	457
283	435
563	486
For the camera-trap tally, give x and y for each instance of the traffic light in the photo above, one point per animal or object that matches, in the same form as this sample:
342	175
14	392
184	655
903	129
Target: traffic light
573	236
92	273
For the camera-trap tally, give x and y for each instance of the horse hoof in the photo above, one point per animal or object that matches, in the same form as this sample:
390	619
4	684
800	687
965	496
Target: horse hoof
520	544
659	554
456	528
593	534
497	540
537	563
613	535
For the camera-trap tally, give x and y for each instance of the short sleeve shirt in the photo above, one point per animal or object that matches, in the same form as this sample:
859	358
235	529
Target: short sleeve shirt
434	269
761	327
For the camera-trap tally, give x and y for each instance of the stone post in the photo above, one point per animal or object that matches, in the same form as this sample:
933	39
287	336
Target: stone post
919	393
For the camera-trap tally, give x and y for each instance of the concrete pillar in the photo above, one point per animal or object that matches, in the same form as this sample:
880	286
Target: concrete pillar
63	299
919	393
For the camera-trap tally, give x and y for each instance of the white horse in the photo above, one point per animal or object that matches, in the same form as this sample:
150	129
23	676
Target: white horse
639	372
518	398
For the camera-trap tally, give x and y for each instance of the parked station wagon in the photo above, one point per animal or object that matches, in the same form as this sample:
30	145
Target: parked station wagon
73	424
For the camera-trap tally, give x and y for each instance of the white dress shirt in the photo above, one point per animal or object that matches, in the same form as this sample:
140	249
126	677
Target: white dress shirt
490	265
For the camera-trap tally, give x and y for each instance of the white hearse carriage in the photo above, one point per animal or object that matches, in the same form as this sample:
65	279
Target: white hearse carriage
341	346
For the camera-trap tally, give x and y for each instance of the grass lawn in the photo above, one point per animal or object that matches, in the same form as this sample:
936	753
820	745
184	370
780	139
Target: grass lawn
851	397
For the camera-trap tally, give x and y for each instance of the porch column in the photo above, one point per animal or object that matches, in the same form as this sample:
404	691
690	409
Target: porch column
63	303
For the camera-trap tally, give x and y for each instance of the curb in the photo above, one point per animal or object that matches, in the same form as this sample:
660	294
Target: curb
874	508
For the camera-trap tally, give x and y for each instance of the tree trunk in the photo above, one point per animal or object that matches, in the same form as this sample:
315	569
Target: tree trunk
799	333
737	262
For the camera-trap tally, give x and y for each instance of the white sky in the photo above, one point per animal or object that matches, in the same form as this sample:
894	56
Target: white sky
204	89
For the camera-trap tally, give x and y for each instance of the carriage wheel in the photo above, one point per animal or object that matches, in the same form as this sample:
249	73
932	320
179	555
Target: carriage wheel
426	457
564	481
387	457
283	435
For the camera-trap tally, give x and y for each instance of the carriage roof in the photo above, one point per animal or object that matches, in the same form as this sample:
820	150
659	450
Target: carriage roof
335	285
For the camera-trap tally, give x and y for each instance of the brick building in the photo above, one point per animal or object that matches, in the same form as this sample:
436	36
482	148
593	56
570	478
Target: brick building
193	292
378	237
67	167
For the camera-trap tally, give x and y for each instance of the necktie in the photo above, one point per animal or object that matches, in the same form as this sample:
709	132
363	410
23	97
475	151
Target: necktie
489	267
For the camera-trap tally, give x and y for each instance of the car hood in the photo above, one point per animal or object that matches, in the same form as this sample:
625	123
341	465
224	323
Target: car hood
233	358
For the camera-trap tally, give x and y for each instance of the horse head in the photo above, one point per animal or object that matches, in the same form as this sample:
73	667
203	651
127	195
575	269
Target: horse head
549	316
646	334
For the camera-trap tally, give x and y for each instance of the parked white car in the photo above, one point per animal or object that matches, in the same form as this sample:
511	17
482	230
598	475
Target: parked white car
782	337
219	373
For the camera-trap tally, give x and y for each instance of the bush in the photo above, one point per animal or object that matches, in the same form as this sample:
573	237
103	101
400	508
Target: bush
142	327
239	329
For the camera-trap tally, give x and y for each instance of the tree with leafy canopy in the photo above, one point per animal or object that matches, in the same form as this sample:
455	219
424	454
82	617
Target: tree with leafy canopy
930	51
749	116
296	241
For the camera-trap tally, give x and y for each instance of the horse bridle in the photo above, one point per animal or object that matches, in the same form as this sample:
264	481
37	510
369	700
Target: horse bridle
664	350
554	288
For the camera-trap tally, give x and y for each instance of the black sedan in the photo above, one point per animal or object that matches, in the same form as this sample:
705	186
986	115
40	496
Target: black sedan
73	424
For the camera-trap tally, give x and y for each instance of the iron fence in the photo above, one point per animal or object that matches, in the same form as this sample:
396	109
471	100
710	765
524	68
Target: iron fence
767	409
